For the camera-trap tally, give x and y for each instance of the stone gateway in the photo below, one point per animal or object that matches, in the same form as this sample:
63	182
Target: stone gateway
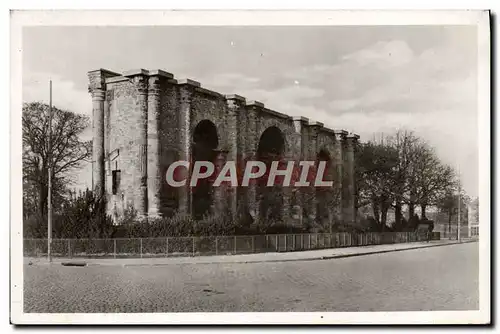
144	121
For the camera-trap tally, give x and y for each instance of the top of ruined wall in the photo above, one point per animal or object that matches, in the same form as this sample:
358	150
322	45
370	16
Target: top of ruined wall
101	78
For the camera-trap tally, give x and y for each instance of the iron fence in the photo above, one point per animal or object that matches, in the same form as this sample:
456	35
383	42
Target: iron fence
211	245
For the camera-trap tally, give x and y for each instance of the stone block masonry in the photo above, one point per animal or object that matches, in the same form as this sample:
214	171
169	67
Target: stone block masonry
144	120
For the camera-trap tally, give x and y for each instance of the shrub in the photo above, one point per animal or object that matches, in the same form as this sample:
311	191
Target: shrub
83	216
35	226
132	227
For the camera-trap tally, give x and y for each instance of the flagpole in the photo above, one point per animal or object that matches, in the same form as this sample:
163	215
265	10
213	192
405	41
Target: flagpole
49	201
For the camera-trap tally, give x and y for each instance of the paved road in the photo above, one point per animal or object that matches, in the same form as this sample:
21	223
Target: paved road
439	278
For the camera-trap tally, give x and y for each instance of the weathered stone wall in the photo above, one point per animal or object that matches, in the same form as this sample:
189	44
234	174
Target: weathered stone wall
123	142
210	106
148	120
169	143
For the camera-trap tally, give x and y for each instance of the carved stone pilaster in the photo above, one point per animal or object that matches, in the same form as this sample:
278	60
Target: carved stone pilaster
186	92
235	110
338	162
299	152
349	179
100	109
153	148
98	183
142	102
252	109
314	128
139	78
220	193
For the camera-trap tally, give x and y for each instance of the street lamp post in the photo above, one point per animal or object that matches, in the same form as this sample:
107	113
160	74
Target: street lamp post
459	204
49	195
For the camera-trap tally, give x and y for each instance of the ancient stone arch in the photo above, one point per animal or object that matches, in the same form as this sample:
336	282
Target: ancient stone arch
272	146
205	144
145	120
272	141
327	197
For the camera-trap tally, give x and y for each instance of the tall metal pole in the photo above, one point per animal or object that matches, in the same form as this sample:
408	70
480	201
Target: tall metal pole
459	203
49	199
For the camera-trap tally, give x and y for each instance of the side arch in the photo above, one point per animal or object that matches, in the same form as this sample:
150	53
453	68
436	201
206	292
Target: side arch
271	147
286	128
204	142
326	197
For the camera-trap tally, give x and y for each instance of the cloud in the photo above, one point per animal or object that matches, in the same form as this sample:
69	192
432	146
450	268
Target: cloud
388	54
419	82
65	95
385	87
233	80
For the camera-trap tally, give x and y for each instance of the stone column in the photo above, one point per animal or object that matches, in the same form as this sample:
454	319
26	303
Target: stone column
338	162
186	91
154	176
108	180
299	152
349	180
314	128
253	108
100	124
220	193
235	106
107	126
141	83
287	197
98	140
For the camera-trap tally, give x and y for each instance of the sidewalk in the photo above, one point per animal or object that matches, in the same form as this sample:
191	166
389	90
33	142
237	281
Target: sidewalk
322	254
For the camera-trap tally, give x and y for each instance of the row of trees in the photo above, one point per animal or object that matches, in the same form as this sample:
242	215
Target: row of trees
402	170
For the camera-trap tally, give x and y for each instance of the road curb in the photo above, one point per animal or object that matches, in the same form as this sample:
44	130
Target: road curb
229	261
340	256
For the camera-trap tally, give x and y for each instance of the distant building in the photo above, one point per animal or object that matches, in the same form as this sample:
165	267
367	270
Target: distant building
446	222
473	218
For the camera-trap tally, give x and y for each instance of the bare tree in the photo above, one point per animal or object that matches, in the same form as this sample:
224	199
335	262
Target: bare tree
375	178
404	142
67	153
429	179
399	170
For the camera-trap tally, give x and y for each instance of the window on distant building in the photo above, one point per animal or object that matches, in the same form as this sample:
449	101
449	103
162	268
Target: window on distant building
116	181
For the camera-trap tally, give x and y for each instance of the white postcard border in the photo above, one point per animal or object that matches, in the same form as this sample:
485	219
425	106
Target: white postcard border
138	18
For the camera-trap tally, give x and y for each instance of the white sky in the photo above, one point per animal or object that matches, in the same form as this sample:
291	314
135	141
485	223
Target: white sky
365	79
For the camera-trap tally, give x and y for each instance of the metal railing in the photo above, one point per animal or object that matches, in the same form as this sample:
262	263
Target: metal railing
210	245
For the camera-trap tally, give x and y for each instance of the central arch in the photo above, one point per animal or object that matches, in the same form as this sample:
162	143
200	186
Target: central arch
271	148
205	141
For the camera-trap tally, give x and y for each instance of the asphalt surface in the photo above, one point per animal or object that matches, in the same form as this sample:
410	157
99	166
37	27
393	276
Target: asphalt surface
438	278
